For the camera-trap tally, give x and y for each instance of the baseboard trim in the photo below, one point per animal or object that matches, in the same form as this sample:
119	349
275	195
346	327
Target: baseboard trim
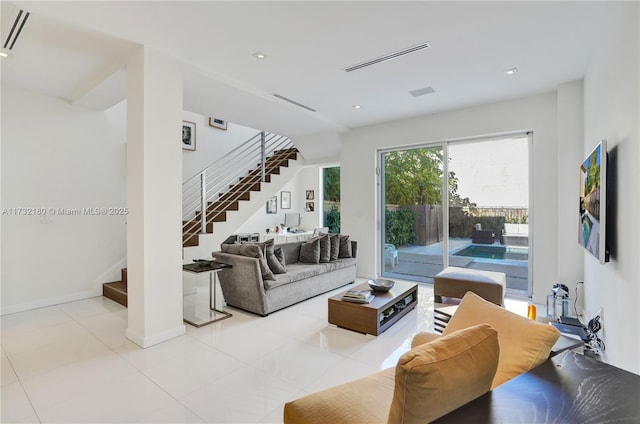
148	341
43	303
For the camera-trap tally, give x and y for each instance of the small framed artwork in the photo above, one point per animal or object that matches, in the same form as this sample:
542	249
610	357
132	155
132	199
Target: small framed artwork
309	207
272	205
309	194
188	135
285	200
218	123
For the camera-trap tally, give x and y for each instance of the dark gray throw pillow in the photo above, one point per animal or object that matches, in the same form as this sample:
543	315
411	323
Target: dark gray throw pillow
345	247
310	251
251	251
325	248
335	246
280	257
268	251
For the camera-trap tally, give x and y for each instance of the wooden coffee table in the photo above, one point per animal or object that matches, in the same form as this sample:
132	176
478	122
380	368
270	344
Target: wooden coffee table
375	317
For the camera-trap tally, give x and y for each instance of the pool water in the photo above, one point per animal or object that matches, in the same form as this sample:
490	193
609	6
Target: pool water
494	252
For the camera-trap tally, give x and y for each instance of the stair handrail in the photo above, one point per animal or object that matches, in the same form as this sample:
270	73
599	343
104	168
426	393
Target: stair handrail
212	182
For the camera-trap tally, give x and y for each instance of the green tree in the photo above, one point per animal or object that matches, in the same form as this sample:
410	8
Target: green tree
332	184
593	174
414	177
332	220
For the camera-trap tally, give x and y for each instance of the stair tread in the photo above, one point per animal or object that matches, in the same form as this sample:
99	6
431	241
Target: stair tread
241	191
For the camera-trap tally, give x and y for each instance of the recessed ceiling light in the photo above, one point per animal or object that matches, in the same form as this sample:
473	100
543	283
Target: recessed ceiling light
3	54
357	106
259	55
511	71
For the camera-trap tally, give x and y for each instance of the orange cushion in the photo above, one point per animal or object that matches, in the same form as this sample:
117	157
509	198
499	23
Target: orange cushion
436	378
524	344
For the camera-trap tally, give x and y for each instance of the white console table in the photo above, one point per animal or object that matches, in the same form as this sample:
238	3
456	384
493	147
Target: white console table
286	237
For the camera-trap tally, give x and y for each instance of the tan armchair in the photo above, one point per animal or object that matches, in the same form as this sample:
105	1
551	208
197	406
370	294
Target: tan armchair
439	374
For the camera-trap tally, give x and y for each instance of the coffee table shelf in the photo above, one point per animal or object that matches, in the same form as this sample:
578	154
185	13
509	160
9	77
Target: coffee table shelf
374	318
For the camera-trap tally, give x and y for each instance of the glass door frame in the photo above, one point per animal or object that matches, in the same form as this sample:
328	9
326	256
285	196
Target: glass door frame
444	144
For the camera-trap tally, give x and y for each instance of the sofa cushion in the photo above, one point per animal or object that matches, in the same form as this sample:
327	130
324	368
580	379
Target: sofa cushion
300	271
436	378
310	251
524	344
345	247
267	248
279	253
251	251
335	246
325	247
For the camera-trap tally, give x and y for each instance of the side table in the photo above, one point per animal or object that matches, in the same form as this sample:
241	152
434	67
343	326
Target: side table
212	268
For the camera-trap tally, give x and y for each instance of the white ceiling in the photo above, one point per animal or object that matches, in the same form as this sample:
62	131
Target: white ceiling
72	50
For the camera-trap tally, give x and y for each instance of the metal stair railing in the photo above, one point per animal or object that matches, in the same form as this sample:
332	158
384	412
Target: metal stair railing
216	179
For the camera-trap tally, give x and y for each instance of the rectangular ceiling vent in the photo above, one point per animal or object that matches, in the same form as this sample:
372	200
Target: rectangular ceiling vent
422	91
389	56
18	24
293	102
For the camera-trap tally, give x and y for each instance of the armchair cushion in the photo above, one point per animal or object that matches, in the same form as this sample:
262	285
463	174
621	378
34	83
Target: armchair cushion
524	344
436	378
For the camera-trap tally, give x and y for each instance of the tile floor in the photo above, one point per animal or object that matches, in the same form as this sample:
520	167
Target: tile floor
71	363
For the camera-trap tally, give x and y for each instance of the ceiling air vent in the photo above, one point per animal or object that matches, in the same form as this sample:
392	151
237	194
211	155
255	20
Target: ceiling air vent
388	57
422	91
293	102
18	24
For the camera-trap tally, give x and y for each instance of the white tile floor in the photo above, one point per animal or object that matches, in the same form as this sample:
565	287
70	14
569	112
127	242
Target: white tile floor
71	363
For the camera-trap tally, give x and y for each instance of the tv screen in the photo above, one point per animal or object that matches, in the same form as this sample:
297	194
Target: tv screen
593	201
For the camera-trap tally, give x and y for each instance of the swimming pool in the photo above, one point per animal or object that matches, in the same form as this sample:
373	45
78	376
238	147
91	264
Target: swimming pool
494	252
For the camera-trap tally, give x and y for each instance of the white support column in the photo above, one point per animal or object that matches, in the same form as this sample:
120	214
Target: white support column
154	198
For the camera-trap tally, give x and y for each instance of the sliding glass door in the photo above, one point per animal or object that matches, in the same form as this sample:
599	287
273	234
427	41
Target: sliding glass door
484	224
413	220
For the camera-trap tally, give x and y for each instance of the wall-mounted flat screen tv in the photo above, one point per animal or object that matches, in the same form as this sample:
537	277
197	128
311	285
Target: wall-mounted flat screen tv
593	203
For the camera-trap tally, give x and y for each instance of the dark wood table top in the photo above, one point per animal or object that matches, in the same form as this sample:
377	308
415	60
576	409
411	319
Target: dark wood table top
198	267
569	388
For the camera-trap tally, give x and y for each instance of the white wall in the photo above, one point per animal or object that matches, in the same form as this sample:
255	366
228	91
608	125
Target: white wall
211	143
570	140
611	112
359	191
57	155
307	179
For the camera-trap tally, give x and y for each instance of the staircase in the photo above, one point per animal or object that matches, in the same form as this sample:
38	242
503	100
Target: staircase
231	198
220	189
117	290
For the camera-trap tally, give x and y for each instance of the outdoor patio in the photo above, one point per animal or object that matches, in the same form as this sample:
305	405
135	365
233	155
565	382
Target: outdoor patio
422	263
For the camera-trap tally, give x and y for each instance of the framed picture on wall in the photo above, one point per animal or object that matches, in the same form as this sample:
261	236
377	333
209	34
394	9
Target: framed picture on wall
309	194
188	135
285	199
309	207
218	123
272	205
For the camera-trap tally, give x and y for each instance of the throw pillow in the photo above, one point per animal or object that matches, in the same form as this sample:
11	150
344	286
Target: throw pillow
268	252
524	344
335	246
280	257
325	247
251	251
345	247
310	251
436	378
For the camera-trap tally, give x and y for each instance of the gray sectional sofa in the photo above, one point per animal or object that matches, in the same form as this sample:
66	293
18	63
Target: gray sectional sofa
243	285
